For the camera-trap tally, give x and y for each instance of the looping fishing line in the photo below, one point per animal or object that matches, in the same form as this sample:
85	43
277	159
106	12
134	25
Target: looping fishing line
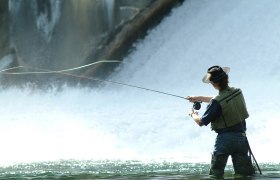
65	72
45	71
4	70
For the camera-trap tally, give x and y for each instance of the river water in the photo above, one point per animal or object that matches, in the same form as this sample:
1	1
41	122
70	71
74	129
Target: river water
116	132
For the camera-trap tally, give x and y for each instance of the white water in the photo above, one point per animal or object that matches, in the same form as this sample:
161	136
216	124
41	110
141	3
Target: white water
46	25
124	123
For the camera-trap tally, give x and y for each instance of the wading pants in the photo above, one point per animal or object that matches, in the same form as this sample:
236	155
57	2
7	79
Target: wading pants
234	144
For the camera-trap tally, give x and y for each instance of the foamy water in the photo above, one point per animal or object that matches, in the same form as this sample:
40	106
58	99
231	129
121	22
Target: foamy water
115	122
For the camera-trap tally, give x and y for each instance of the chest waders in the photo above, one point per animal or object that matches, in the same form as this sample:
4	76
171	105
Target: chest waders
234	111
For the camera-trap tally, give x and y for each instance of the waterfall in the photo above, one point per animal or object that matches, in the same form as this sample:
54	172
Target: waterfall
61	34
110	5
58	34
115	122
48	14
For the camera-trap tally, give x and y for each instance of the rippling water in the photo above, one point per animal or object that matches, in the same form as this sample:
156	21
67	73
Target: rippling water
122	170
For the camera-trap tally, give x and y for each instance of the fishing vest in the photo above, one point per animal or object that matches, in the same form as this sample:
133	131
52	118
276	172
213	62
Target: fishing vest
233	107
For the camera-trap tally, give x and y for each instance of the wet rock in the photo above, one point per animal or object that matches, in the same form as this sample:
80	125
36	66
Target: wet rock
4	28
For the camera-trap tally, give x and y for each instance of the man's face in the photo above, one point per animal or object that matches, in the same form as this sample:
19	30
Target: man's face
215	85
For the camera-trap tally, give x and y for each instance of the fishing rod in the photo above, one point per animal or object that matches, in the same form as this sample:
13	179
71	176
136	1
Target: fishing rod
65	72
196	105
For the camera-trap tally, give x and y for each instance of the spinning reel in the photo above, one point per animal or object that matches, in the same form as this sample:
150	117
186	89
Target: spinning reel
197	105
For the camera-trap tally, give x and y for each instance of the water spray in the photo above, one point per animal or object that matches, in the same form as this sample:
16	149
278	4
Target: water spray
66	72
196	105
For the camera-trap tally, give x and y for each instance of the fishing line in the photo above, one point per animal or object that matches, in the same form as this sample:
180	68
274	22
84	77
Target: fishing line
196	105
65	72
47	71
4	70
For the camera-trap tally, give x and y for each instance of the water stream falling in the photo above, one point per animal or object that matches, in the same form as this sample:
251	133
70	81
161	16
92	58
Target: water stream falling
110	4
121	123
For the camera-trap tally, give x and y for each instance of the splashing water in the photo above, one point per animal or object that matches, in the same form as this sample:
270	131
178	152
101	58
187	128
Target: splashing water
121	123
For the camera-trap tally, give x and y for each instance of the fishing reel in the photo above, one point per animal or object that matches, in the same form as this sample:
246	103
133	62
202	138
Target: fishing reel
197	105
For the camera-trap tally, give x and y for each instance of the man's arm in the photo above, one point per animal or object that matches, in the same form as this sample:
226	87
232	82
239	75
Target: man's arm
193	99
196	117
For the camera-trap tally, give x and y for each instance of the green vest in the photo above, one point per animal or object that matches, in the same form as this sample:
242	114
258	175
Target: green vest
233	107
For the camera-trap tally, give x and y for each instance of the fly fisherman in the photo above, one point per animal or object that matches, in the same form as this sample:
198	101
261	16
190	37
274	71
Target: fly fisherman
227	113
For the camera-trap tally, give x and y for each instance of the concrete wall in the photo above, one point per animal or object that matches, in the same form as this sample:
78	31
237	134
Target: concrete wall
4	28
64	34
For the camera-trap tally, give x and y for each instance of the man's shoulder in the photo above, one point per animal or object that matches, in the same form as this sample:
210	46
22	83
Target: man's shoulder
214	102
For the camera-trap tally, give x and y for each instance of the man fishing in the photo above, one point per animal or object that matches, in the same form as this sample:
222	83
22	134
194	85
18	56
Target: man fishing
227	113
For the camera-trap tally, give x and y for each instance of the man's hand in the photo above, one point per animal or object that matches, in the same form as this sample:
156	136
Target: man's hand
194	115
192	99
192	112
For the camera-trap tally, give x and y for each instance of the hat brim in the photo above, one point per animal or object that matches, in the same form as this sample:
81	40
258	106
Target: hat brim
206	78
